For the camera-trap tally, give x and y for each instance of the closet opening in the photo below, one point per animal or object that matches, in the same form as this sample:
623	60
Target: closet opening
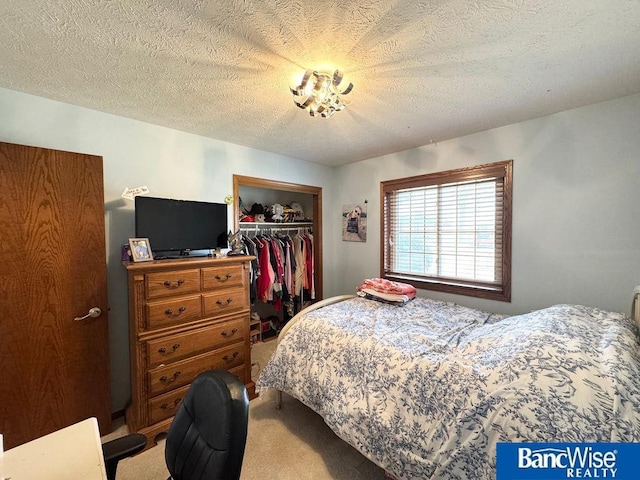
266	193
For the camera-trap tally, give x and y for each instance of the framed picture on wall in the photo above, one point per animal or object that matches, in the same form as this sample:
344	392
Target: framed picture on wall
354	223
140	249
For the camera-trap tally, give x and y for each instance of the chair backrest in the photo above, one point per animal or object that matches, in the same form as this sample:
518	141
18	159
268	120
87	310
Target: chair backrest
207	437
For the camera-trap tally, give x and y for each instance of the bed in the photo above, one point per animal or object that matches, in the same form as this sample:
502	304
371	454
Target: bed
427	389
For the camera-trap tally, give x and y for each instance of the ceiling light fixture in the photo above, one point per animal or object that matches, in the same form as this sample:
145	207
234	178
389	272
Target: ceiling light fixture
319	93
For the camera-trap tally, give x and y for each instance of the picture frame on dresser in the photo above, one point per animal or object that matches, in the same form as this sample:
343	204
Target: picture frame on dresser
140	249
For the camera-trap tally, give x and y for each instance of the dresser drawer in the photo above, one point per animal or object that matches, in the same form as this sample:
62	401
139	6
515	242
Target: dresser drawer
164	313
165	406
223	302
169	377
222	277
200	340
239	372
175	282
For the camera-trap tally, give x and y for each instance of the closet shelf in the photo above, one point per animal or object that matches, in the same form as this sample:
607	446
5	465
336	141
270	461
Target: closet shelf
271	226
277	224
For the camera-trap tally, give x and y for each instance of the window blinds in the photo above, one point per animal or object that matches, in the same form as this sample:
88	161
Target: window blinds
450	231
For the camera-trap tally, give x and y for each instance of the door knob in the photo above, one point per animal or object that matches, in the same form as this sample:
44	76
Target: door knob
93	313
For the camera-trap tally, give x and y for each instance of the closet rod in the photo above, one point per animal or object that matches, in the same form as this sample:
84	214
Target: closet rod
277	227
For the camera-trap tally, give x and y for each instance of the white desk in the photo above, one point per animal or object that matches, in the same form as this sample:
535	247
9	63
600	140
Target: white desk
74	452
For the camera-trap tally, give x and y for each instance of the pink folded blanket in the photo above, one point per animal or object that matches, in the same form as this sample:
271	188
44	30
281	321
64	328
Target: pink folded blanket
387	286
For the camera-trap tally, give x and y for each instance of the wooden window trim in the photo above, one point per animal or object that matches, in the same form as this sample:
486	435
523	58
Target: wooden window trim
501	291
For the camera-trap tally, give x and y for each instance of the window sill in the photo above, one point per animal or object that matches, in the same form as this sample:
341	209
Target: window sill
495	292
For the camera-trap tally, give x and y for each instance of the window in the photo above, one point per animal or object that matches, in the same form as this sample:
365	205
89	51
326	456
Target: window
450	231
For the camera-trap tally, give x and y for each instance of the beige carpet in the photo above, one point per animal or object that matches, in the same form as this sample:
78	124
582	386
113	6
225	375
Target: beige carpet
293	443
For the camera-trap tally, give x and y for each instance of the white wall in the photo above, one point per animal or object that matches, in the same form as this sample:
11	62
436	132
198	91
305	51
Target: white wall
171	163
576	205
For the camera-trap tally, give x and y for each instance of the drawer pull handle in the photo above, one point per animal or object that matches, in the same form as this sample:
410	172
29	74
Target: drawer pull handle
170	284
166	406
226	358
227	334
226	277
175	346
220	302
166	379
169	311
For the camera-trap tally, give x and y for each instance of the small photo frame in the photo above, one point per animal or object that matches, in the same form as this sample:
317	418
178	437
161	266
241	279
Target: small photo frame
140	249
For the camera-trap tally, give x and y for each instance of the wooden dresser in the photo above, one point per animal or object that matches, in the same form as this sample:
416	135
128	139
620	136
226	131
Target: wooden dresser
185	316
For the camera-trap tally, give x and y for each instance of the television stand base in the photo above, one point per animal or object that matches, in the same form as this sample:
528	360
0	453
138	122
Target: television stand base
184	254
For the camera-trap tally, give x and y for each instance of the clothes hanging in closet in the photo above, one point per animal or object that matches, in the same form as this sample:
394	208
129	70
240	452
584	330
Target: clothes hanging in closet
284	272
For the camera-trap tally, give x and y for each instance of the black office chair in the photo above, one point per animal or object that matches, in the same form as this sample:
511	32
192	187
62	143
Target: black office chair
120	448
208	434
207	438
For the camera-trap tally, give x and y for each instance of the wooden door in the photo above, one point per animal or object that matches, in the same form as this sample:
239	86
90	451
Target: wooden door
54	369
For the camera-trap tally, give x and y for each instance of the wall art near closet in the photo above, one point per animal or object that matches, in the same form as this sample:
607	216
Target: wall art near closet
354	222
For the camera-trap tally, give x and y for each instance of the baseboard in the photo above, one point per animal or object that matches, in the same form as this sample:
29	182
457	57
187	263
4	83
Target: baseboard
116	415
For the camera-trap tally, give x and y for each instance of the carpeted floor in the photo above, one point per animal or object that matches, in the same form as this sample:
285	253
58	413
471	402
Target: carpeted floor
293	443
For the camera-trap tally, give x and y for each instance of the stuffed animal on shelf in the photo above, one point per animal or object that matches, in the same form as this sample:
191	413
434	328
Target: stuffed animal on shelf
298	213
277	210
288	214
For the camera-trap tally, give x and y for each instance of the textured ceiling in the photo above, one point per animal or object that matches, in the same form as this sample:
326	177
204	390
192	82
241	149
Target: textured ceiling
424	71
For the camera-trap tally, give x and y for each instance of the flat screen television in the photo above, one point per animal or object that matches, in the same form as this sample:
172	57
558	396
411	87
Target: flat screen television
180	225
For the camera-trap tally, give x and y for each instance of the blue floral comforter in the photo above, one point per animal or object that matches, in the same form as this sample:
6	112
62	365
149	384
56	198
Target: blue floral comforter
426	390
